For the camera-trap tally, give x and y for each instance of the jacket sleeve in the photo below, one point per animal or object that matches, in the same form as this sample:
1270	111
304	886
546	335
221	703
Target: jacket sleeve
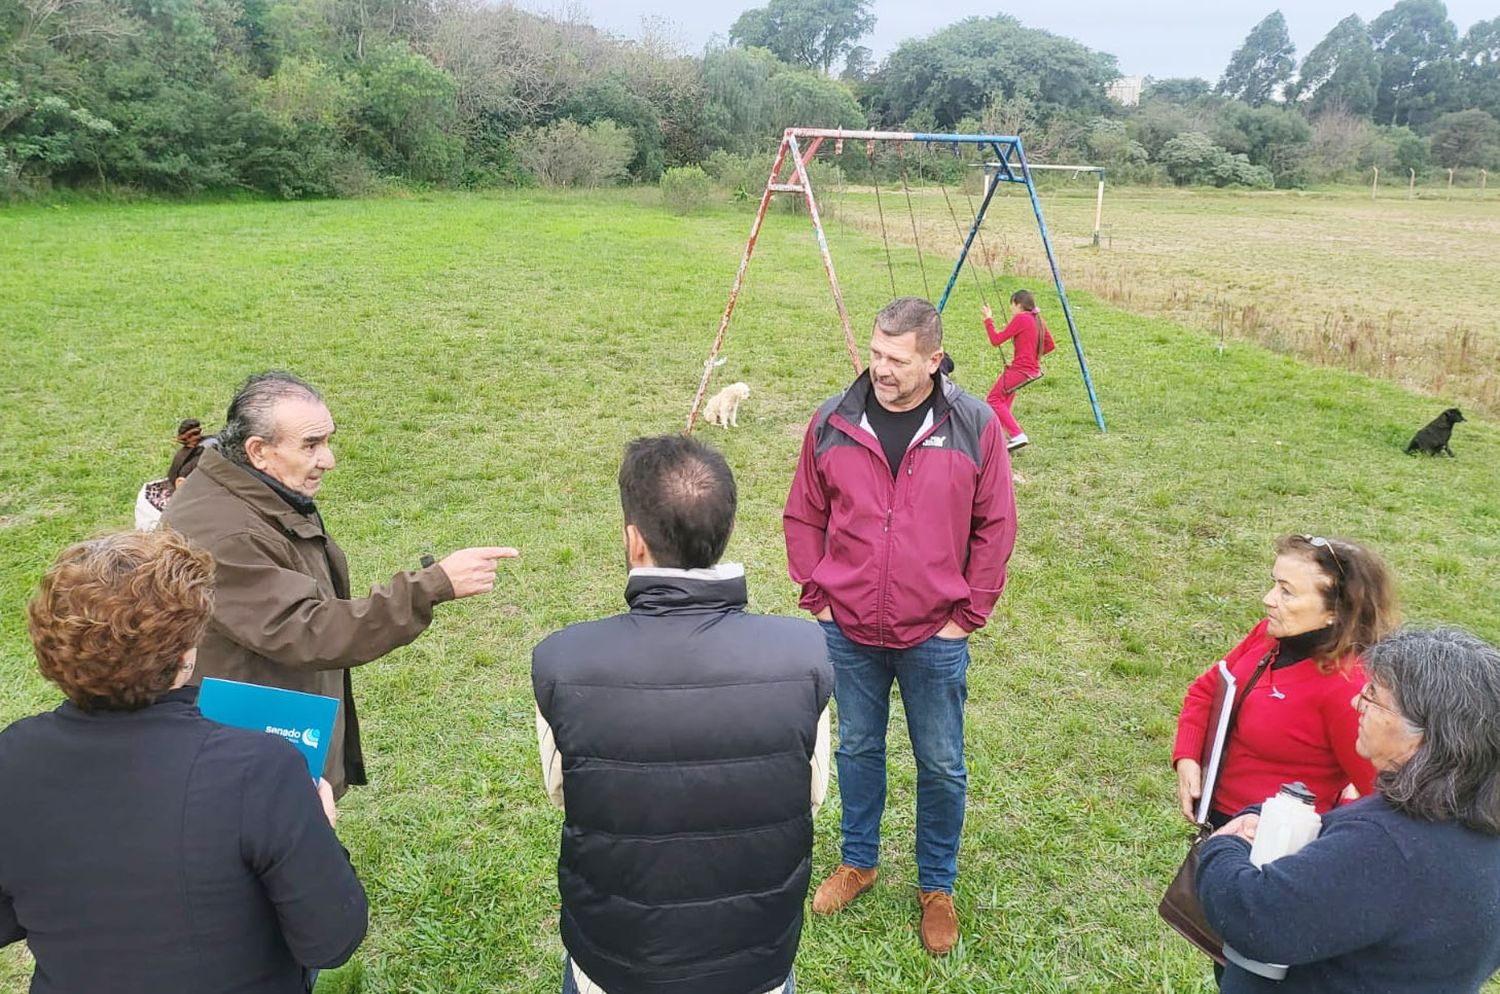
306	875
805	523
1332	897
992	531
279	613
10	927
1342	722
1012	329
1192	723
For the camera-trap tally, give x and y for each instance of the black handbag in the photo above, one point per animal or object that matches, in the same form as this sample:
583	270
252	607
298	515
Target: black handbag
1179	906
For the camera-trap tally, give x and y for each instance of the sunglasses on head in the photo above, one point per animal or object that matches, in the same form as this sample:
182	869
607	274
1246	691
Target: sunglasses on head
1319	542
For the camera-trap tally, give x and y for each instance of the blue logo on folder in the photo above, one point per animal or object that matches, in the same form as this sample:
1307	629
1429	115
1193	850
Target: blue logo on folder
304	720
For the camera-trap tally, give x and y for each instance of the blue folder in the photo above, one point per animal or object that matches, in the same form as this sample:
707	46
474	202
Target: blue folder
304	720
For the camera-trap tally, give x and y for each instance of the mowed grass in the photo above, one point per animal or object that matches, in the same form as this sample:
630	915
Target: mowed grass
486	359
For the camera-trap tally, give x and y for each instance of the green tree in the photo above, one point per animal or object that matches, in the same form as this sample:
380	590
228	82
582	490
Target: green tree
1479	67
858	64
407	115
813	34
800	97
1466	138
1341	72
1177	90
1192	157
1274	137
981	61
1415	43
1262	64
737	98
609	99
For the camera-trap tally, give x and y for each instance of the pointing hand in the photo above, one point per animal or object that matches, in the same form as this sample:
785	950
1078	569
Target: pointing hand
472	571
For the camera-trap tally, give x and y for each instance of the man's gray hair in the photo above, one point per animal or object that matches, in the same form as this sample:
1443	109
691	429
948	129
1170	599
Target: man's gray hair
251	410
912	315
1446	683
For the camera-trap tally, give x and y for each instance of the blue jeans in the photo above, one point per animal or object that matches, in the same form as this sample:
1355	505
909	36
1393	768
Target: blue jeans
933	677
569	987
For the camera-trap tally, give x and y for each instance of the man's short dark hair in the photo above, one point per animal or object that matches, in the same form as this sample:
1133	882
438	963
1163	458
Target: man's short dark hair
681	495
912	316
250	412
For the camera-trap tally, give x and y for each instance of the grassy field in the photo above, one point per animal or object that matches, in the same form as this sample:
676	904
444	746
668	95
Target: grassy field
1407	290
487	358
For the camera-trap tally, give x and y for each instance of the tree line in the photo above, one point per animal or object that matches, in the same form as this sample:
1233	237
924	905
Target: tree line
308	98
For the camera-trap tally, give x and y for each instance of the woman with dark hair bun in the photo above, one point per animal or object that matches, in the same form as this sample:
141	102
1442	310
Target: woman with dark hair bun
1400	891
155	495
1330	600
144	848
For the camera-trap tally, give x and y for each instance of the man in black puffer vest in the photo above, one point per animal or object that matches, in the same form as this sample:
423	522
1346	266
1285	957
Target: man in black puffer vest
687	742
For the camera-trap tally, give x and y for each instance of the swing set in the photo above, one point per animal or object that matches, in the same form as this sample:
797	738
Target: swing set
1008	166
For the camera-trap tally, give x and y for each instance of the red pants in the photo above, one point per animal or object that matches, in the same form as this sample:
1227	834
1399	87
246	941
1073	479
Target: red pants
1003	394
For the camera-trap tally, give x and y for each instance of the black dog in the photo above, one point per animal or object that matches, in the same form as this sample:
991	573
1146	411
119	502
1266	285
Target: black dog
1434	438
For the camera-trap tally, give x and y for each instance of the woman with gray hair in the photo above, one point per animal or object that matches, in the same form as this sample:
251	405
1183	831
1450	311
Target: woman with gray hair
1401	889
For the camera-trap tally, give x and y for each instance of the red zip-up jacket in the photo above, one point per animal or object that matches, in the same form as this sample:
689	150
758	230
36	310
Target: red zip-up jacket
1297	724
897	559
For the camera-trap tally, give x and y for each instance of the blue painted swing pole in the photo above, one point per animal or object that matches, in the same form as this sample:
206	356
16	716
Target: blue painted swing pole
1062	293
1005	174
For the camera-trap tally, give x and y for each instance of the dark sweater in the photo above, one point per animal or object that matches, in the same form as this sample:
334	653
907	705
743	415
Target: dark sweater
157	851
1379	902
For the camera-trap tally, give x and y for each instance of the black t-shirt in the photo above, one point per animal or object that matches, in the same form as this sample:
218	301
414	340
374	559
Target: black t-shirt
896	429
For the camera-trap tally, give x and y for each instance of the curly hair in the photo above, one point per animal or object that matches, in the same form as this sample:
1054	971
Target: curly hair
1359	591
113	616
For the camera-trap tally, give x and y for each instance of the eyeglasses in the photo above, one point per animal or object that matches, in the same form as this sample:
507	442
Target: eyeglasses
1364	696
1319	542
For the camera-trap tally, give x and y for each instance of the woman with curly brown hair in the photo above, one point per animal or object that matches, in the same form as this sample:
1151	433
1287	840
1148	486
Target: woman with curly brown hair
142	846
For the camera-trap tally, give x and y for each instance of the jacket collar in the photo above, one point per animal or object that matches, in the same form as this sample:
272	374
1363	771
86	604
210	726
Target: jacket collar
254	491
852	407
658	590
172	702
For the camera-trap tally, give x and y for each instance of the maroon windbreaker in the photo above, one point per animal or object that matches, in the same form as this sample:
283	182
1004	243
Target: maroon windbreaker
895	560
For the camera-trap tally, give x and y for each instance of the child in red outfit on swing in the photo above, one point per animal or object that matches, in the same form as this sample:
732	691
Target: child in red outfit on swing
1032	341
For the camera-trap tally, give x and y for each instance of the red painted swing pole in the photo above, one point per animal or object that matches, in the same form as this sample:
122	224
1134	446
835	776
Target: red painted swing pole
817	220
803	186
734	291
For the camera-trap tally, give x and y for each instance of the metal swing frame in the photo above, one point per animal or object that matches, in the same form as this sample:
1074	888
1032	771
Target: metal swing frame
1008	166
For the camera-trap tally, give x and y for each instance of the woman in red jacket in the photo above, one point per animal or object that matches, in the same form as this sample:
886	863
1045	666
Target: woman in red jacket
1330	599
1031	339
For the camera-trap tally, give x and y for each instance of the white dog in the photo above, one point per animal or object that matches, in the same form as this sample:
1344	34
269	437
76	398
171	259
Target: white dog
724	407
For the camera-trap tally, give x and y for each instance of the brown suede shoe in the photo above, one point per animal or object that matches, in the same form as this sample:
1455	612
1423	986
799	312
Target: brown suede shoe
939	921
842	887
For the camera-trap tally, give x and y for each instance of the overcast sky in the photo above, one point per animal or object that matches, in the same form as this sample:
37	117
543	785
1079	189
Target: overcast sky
1158	38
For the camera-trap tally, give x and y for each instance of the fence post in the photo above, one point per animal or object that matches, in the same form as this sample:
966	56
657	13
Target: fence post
1099	208
1411	186
1450	184
1484	179
1374	182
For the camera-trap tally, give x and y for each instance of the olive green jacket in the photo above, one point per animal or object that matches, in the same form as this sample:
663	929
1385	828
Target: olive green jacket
283	616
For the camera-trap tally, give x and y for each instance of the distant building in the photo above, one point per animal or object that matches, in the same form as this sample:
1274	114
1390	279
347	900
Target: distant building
1126	90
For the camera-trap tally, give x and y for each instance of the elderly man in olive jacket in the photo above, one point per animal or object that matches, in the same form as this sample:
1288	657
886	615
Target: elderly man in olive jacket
283	614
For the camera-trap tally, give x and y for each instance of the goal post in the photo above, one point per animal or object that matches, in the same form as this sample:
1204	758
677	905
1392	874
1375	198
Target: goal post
1035	166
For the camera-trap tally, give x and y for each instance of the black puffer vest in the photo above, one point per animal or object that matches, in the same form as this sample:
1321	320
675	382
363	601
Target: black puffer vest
687	729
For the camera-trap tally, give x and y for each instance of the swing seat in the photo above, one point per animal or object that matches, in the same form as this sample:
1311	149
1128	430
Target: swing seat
1010	390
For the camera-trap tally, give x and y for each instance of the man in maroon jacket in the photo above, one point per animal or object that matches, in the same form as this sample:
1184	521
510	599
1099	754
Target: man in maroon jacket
899	523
